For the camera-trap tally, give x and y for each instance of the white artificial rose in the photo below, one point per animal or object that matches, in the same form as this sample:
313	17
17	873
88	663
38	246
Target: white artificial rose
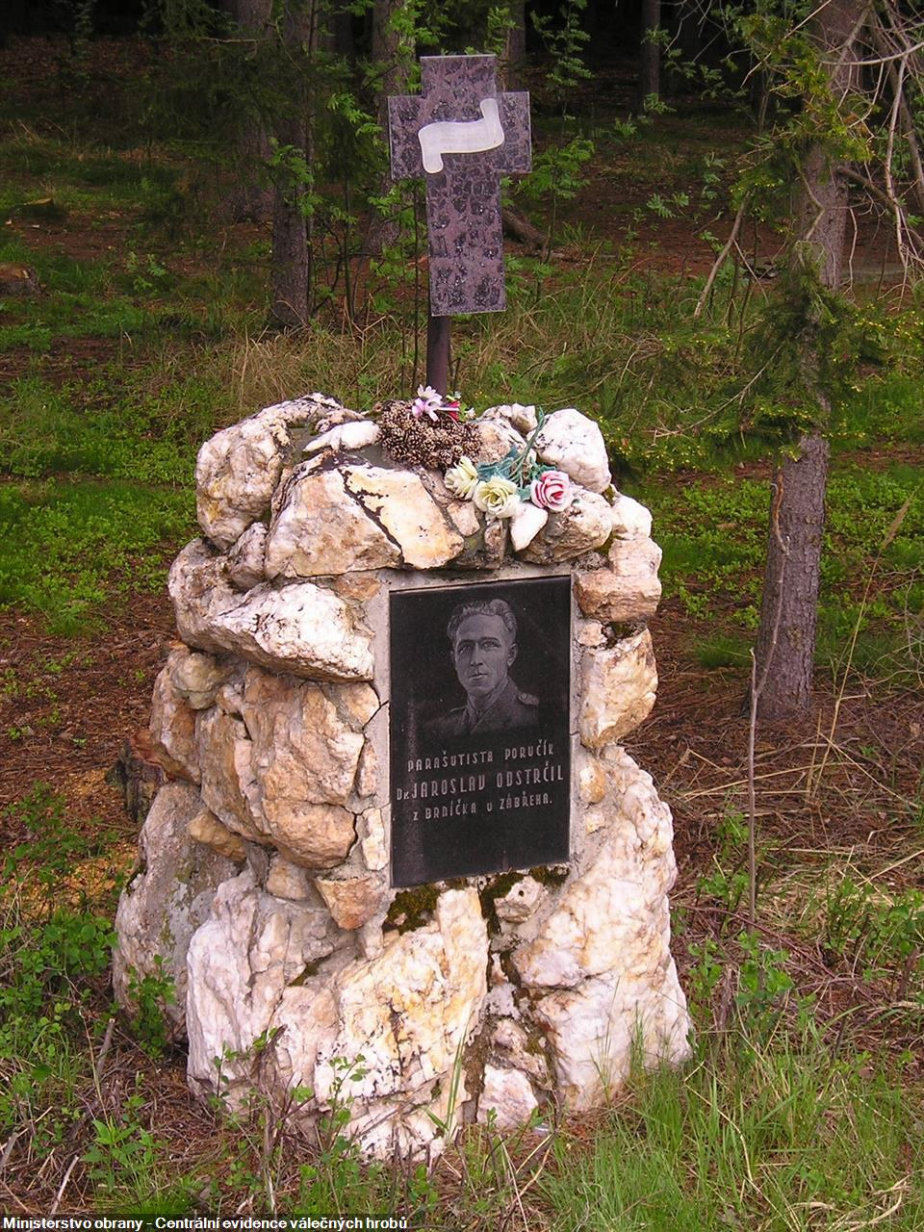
497	496
462	479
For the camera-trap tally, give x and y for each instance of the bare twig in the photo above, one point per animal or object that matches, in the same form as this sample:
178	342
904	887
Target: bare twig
8	1147
61	1188
722	257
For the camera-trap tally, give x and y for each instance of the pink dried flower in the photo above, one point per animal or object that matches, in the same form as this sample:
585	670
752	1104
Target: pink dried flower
552	491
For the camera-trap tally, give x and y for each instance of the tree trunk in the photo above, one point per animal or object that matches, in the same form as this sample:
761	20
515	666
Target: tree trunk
251	200
786	639
515	47
688	30
393	71
788	611
291	266
291	273
649	74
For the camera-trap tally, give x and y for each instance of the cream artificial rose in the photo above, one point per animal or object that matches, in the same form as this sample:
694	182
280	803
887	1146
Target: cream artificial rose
497	496
462	478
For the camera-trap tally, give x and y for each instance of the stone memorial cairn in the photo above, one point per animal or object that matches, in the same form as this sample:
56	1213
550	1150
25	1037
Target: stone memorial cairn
264	889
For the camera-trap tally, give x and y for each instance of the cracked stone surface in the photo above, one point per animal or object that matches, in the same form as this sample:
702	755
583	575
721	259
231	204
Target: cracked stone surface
620	689
574	444
584	525
320	529
264	889
301	628
166	901
626	588
238	469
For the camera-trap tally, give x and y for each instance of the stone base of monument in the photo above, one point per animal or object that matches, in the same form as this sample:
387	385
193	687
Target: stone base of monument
349	871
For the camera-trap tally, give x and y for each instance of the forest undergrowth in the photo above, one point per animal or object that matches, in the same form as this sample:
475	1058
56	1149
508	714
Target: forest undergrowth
801	1106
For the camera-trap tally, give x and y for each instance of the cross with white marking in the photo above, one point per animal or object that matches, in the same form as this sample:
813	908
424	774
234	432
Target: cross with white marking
462	136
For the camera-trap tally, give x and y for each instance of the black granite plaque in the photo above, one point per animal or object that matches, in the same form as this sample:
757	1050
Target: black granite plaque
479	726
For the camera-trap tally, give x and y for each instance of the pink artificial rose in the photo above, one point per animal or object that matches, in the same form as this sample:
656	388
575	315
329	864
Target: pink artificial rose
552	491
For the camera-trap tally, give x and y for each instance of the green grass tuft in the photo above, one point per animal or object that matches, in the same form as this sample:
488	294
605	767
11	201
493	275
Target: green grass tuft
764	1137
66	546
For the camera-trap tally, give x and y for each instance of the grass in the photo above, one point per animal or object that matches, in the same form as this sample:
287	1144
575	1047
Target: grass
793	1114
762	1136
763	1129
69	546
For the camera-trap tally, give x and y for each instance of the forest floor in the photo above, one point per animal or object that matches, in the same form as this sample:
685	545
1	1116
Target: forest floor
839	793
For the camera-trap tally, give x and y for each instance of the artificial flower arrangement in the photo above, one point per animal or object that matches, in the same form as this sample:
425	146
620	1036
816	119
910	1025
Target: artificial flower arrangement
498	488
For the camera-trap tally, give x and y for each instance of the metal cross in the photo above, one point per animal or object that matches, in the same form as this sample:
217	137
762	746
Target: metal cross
462	136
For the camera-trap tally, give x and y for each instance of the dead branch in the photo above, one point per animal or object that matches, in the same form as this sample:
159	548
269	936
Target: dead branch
722	257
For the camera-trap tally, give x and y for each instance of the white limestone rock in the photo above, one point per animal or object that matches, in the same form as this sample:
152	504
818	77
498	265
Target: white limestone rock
600	965
619	689
306	741
595	1029
507	1098
319	529
242	958
207	829
329	522
238	468
373	844
358	434
335	414
583	525
164	903
496	538
353	901
510	1042
631	520
287	880
574	444
317	836
520	901
408	1012
411	518
523	418
591	777
301	628
589	633
306	738
173	729
367	777
247	558
199	587
627	589
495	437
197	677
464	517
227	776
305	1017
281	773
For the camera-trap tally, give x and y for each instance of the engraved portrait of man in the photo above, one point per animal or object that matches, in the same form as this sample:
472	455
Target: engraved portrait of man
483	640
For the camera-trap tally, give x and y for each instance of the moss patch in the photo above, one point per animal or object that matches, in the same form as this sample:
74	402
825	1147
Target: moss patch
549	874
412	908
496	888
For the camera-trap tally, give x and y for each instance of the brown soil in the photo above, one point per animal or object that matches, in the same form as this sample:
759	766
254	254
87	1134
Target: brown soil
68	705
834	786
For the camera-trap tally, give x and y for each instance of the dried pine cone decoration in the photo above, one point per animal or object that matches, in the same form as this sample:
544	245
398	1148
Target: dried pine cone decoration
421	442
